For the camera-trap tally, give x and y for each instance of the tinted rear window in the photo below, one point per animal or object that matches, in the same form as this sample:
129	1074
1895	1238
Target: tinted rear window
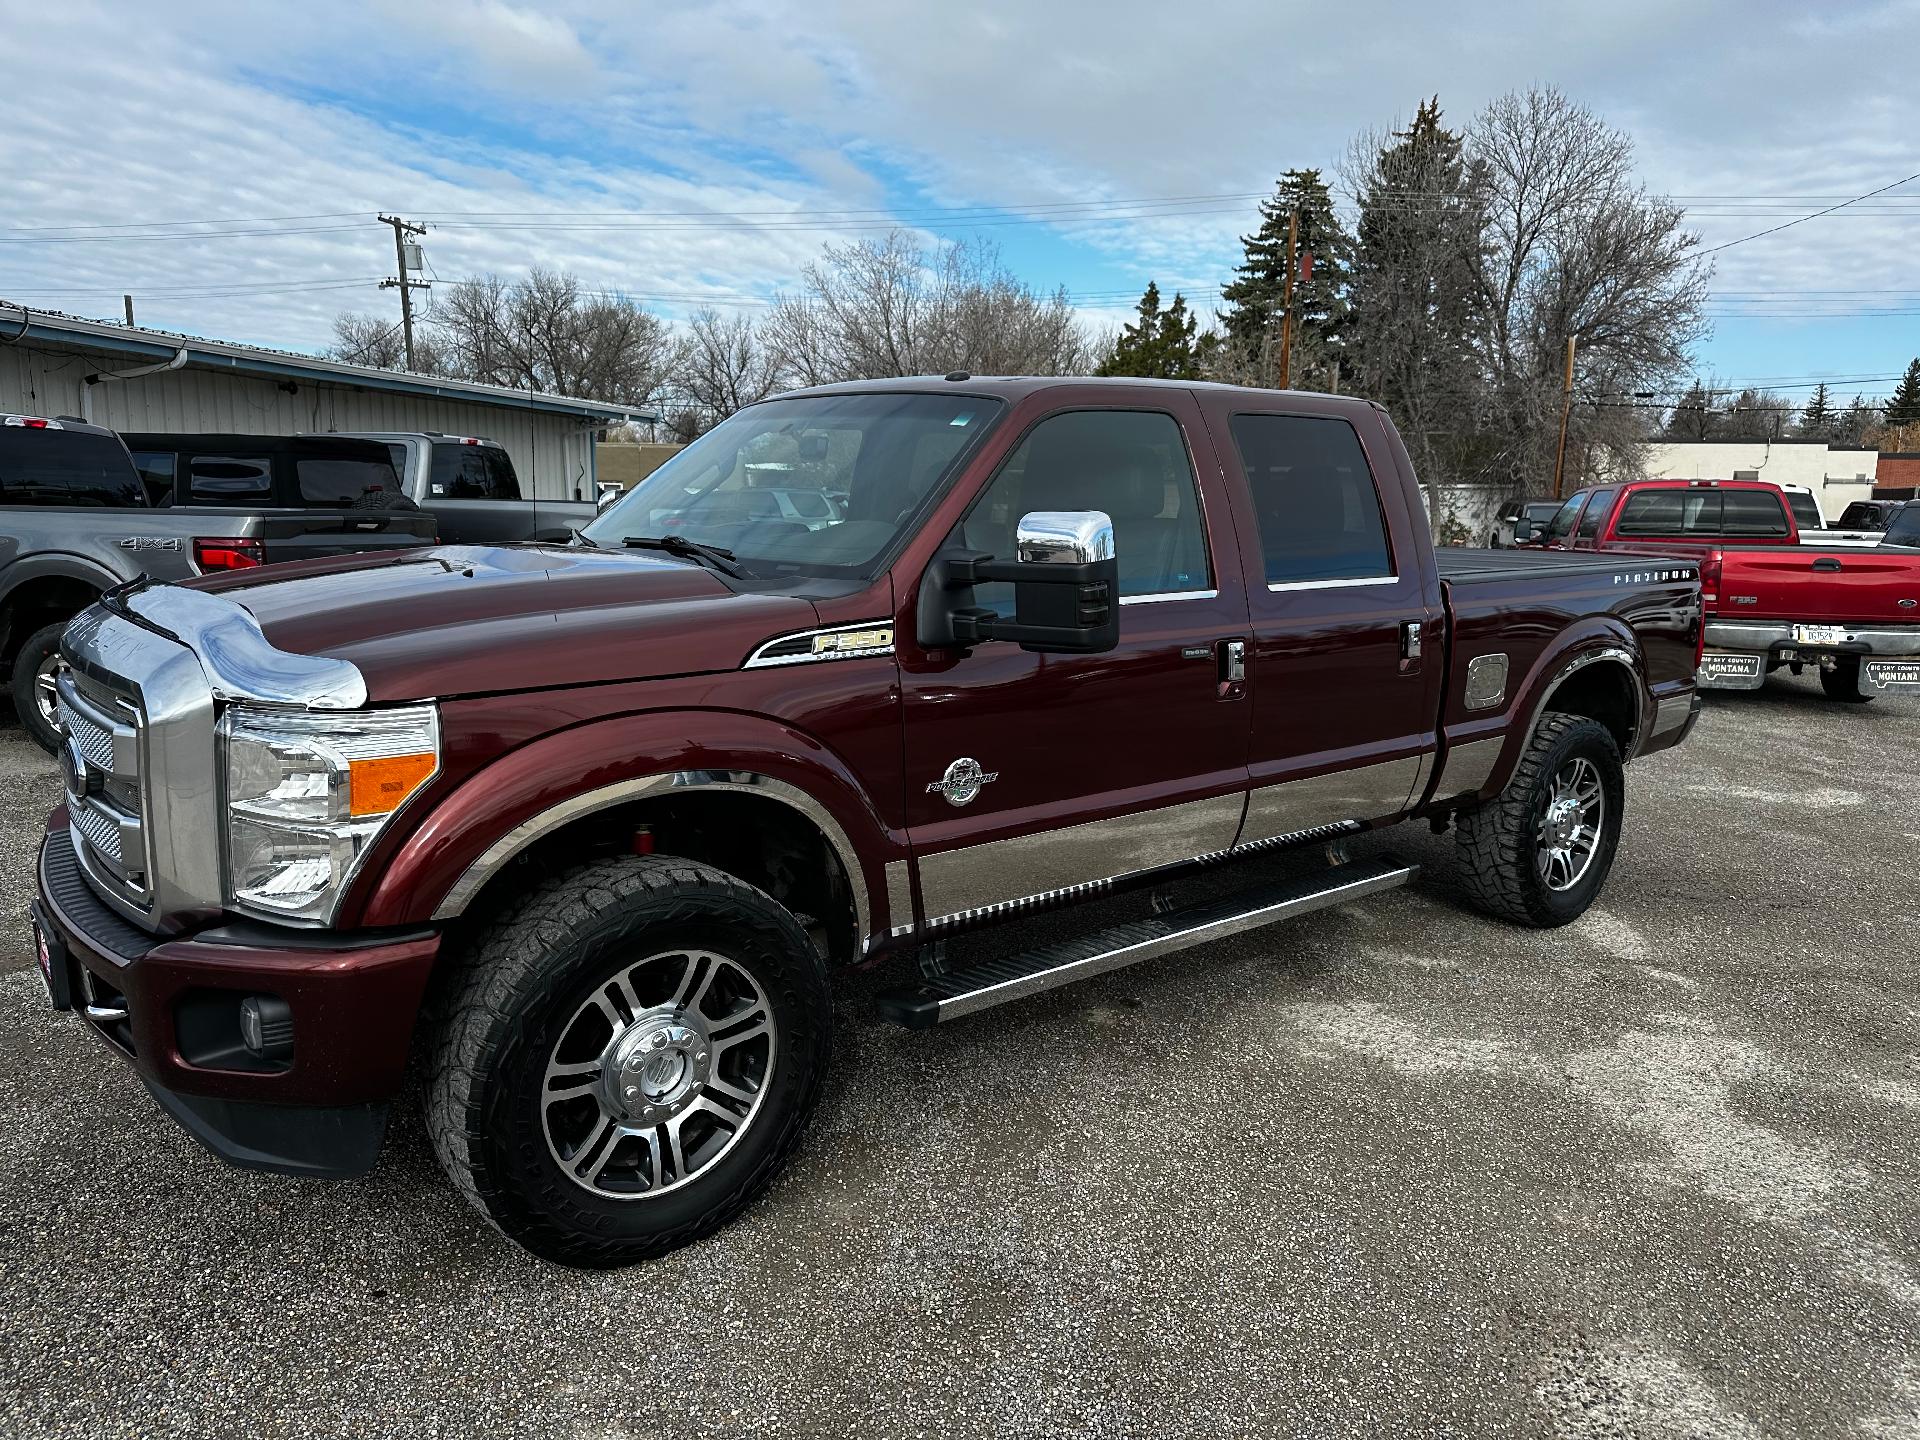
1806	511
230	479
1705	512
156	473
66	467
472	472
342	482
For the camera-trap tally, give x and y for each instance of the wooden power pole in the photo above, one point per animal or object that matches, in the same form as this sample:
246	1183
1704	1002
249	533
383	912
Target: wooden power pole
401	230
1286	303
1566	411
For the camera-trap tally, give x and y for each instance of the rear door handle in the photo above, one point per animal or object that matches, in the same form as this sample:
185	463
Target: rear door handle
1410	640
1233	669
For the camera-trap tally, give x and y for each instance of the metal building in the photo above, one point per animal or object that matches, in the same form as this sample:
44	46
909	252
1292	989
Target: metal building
134	379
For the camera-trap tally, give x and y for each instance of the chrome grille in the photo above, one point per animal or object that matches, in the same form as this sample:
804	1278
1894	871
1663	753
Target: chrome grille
102	768
95	741
101	832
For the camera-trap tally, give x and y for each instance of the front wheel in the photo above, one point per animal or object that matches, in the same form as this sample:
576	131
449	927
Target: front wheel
1842	682
628	1059
1539	852
34	696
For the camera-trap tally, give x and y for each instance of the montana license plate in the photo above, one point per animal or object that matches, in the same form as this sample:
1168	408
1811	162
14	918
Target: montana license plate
1730	670
1891	674
1820	634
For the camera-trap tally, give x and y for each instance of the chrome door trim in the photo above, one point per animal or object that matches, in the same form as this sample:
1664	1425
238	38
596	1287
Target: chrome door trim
1166	595
495	856
1012	872
1279	586
1369	792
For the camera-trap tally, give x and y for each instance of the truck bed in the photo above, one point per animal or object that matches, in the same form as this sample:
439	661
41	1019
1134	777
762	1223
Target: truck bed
1458	565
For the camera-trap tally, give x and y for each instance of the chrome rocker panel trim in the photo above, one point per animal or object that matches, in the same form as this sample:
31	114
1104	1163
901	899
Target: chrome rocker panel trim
495	856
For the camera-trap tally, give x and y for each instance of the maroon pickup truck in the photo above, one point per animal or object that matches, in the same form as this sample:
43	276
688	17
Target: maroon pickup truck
587	830
1774	598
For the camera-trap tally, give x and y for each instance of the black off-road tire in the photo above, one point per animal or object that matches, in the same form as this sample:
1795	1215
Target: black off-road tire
1497	845
1842	683
528	972
37	649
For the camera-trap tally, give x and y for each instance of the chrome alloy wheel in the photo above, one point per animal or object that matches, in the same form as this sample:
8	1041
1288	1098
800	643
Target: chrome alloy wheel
1570	827
46	690
657	1074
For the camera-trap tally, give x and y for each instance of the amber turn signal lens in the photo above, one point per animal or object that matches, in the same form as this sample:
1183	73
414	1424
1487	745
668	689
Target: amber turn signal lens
379	786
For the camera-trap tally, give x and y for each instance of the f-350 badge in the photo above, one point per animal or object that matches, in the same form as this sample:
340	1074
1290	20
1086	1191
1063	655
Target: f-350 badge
962	781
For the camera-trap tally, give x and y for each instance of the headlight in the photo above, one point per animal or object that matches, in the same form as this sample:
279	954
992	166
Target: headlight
307	793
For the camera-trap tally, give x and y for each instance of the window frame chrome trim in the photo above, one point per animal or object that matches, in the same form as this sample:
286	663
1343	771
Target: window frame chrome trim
1160	597
1281	586
497	855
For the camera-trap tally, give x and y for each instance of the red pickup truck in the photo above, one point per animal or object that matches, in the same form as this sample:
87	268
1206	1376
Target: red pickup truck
1772	600
589	829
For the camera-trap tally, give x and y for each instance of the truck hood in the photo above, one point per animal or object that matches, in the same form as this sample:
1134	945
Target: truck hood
469	619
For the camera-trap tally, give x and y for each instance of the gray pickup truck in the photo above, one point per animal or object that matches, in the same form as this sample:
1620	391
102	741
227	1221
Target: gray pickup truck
76	521
469	485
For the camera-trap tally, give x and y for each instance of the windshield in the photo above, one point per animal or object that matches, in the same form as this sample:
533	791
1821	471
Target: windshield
1904	528
1565	516
815	485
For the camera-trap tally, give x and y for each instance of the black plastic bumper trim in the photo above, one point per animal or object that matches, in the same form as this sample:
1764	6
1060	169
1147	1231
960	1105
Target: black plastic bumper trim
311	1141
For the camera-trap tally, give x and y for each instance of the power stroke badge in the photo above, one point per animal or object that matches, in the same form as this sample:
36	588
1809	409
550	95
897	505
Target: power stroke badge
962	781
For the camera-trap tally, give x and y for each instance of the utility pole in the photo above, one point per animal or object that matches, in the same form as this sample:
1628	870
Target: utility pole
401	230
129	304
1286	302
1566	410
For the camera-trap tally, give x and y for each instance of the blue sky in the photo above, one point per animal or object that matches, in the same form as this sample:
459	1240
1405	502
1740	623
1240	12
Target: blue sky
703	153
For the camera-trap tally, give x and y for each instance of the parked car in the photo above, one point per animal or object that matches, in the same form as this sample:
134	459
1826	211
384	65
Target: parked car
1867	515
468	484
626	806
1772	598
295	472
77	522
1520	522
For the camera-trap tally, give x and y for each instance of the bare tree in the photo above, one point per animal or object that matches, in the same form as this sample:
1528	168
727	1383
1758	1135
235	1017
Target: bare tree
360	339
1575	247
724	365
885	307
546	333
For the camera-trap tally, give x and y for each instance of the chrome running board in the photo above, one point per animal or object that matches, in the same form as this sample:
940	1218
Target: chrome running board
994	982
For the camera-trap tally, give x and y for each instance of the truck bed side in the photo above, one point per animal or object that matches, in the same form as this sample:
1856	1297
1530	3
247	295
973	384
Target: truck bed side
1612	635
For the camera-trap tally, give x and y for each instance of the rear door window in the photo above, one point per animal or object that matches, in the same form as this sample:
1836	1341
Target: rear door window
66	467
1806	511
1314	498
156	473
472	472
230	479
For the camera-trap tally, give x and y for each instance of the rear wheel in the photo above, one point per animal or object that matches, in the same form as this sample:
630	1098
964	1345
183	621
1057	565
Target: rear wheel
1539	852
1842	682
34	669
628	1059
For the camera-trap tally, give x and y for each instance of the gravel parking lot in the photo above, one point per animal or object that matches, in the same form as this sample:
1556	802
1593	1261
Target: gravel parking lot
1393	1168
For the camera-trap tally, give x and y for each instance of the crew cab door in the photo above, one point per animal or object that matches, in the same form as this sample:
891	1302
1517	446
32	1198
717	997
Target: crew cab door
1347	659
1028	774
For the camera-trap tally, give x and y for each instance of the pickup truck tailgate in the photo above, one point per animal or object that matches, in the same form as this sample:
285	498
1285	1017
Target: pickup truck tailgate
1837	585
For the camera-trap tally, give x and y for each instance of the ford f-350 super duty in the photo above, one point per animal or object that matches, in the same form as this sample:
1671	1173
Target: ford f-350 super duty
587	830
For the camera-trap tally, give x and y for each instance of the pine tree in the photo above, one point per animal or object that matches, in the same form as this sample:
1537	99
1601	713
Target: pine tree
1693	416
1904	407
1817	420
1160	344
1256	295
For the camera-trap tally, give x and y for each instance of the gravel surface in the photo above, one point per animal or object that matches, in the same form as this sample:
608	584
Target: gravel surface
1389	1169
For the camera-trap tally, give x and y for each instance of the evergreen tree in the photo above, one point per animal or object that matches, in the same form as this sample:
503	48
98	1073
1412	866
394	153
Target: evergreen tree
1256	295
1904	407
1859	418
1817	420
1160	344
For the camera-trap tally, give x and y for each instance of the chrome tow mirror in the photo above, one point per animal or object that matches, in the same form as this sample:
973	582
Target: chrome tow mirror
1066	589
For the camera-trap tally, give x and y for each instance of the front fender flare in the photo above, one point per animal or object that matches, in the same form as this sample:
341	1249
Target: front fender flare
474	830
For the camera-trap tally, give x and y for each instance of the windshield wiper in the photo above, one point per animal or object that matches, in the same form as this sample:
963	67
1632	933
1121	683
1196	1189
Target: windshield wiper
580	539
714	555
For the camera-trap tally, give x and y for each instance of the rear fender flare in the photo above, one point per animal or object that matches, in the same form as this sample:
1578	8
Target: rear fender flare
1605	643
473	830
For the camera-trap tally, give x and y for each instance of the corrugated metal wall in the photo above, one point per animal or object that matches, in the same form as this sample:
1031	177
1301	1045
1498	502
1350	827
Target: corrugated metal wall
553	453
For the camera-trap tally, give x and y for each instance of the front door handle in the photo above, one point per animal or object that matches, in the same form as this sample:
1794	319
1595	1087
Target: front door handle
1233	669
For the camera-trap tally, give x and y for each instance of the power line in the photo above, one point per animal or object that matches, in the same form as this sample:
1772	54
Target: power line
1775	230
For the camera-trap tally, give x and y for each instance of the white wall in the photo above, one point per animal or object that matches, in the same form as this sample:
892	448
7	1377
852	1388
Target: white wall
1837	477
552	453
